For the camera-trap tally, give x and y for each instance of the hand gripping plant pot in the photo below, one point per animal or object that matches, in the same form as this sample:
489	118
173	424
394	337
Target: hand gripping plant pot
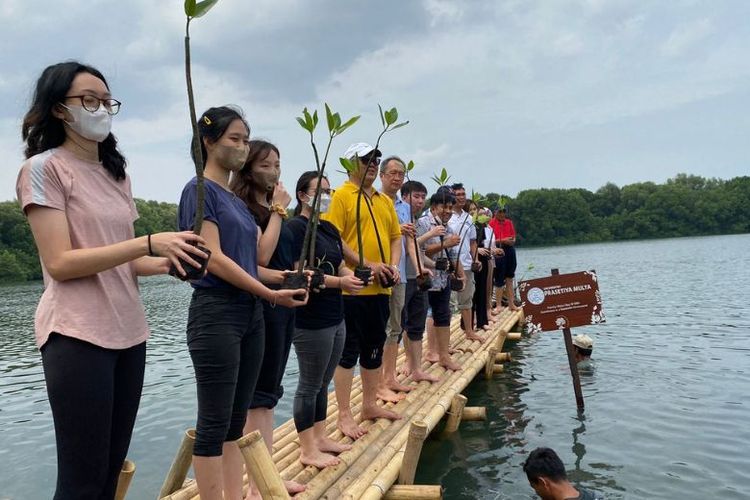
336	127
388	119
194	10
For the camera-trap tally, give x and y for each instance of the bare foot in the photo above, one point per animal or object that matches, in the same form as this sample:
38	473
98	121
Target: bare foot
404	370
453	350
475	336
349	427
513	307
449	364
327	444
431	356
389	396
253	494
487	327
375	412
496	311
419	376
394	385
316	459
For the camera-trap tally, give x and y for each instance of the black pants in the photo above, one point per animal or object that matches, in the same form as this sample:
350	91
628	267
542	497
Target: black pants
279	326
94	394
480	294
440	302
414	314
366	319
505	266
225	336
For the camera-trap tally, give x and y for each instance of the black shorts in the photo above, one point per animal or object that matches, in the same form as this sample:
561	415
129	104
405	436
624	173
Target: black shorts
366	319
440	302
414	313
505	266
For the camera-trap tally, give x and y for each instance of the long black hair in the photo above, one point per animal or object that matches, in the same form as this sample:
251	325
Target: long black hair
303	184
41	130
214	122
244	186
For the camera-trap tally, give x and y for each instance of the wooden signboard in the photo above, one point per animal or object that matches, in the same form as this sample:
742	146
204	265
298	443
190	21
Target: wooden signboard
561	301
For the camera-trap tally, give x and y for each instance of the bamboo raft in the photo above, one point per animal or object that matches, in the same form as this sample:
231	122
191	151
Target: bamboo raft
388	454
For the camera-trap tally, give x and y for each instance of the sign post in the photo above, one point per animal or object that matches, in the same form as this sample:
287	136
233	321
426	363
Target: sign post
561	302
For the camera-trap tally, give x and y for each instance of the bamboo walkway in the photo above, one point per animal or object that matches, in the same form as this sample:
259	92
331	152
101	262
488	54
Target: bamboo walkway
389	452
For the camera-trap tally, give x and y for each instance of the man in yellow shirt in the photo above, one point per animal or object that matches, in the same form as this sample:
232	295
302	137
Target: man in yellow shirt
366	314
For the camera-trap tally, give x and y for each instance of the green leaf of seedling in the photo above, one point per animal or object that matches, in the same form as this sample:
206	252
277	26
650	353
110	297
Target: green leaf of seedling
382	119
303	123
348	165
329	119
202	7
315	119
190	8
410	166
394	116
388	119
351	121
336	121
400	125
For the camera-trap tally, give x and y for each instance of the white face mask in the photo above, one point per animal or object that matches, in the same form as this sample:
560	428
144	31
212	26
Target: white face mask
92	126
325	202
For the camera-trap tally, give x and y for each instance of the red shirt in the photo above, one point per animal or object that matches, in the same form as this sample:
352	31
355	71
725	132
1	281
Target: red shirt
502	229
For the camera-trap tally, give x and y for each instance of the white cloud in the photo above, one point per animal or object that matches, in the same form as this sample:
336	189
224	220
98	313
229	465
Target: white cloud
686	36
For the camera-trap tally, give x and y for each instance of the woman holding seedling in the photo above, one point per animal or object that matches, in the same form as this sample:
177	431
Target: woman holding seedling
257	184
90	323
320	328
225	329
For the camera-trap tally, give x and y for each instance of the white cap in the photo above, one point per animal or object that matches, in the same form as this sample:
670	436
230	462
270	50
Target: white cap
358	149
583	341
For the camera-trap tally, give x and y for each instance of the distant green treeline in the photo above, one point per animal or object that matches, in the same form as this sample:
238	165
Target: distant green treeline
687	205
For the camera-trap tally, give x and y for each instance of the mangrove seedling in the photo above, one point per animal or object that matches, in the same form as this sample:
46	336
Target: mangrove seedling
336	126
424	282
388	120
194	10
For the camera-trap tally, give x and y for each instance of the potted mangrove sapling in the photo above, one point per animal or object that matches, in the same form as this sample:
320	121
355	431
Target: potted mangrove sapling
336	127
388	120
441	261
424	282
195	10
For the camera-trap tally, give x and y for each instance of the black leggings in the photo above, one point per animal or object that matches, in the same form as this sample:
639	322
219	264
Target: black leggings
225	336
279	327
94	394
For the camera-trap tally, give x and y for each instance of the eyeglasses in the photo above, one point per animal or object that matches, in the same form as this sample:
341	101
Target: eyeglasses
92	103
370	160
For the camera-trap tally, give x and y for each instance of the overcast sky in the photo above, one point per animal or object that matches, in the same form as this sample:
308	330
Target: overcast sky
507	95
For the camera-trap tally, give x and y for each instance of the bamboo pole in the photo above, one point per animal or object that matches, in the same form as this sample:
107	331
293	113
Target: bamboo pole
418	432
180	465
474	414
497	369
502	357
490	363
514	336
123	481
455	413
414	492
260	466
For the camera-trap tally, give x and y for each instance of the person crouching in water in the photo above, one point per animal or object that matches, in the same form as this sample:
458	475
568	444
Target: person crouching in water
583	346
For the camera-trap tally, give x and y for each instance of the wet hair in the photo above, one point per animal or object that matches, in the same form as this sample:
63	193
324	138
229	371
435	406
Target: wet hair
42	131
413	187
303	184
243	185
544	462
213	123
384	163
457	185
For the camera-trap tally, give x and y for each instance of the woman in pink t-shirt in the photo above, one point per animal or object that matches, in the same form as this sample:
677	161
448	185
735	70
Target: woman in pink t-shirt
90	323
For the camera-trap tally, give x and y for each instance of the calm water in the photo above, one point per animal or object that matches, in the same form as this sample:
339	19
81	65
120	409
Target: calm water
666	415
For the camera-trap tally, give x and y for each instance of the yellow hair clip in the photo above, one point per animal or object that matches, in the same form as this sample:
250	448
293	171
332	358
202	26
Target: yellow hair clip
206	120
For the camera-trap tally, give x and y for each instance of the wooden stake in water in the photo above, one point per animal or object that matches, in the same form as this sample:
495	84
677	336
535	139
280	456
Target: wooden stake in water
572	360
